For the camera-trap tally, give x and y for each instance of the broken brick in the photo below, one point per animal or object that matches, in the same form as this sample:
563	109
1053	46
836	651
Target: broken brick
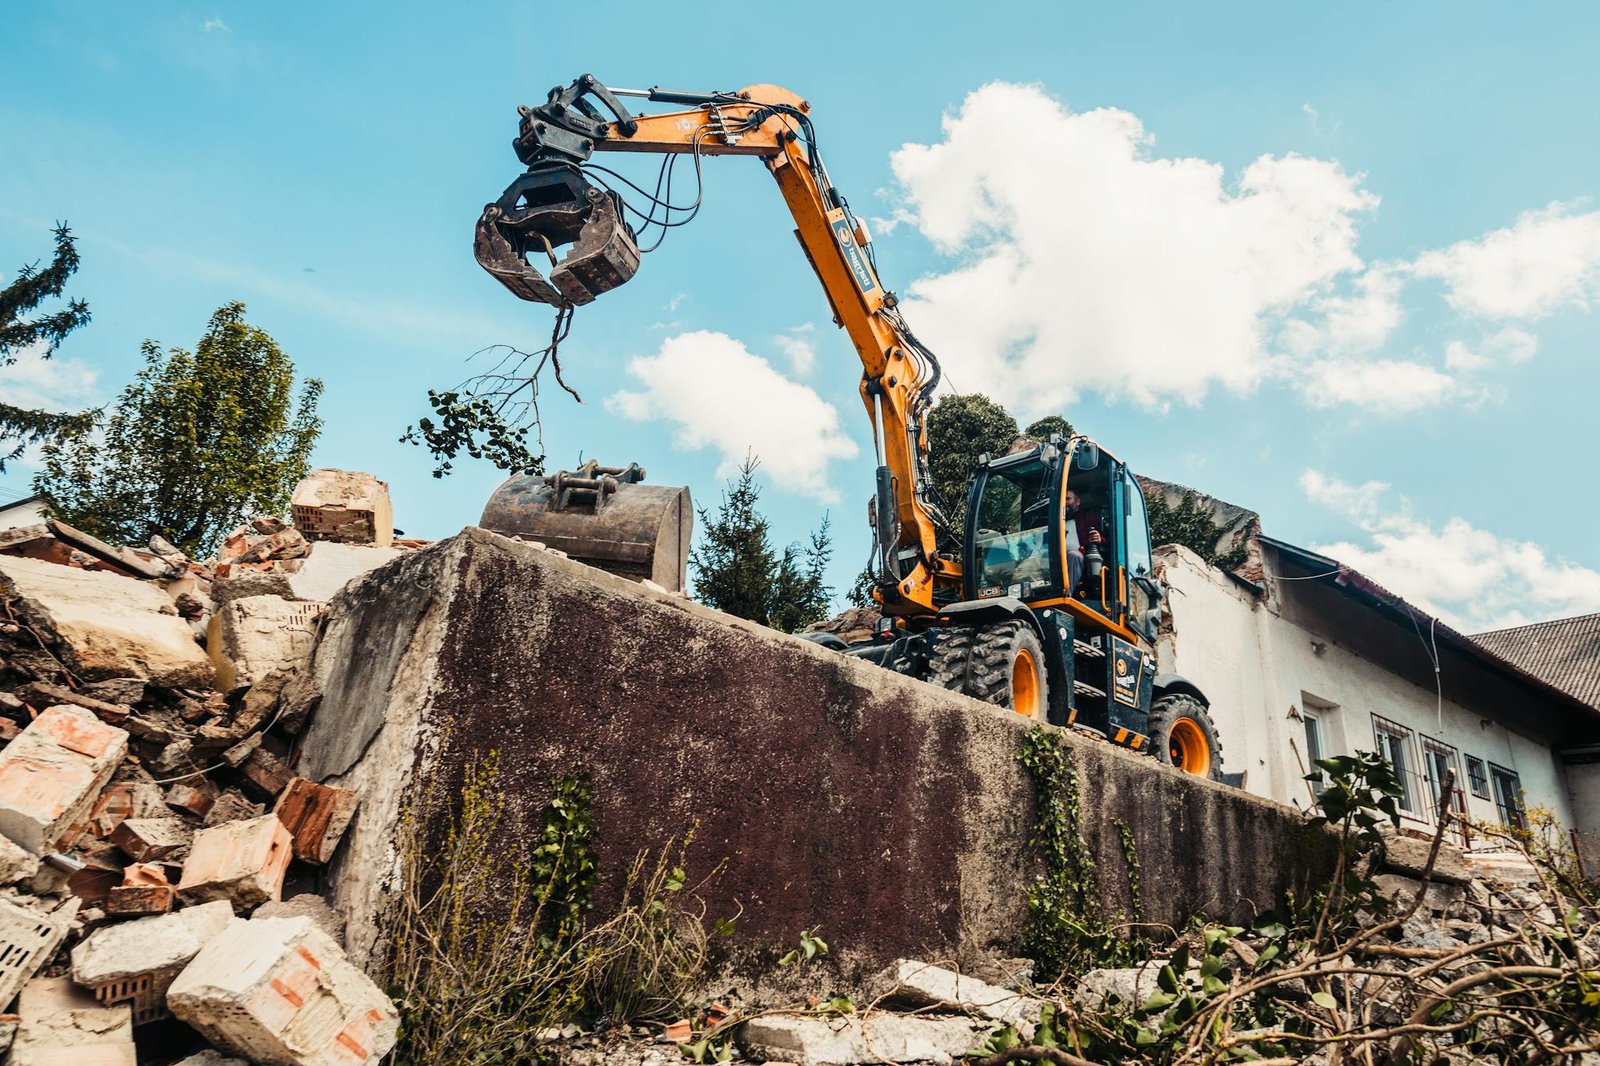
144	890
195	799
52	773
28	939
343	505
263	775
317	816
231	806
297	1000
147	839
243	862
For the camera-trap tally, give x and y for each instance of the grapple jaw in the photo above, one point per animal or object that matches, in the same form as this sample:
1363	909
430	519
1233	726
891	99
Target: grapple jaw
550	206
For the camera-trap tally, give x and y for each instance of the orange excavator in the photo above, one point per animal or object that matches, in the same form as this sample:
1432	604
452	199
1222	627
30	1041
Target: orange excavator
1025	607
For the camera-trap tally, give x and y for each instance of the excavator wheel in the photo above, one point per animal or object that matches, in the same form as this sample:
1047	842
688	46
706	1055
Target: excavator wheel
1001	663
1182	735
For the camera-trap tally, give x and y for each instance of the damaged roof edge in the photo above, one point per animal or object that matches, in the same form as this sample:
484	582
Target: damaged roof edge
1361	587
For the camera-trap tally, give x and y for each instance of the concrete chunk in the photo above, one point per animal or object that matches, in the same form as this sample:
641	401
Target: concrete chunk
17	864
1408	855
927	985
211	1058
343	505
306	905
279	991
330	567
51	775
815	1041
62	1024
114	626
131	949
243	862
148	839
250	637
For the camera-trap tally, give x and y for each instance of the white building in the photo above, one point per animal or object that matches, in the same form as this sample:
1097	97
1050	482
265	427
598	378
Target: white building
1313	659
24	512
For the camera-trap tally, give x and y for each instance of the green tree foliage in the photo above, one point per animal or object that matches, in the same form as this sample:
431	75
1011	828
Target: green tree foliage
736	569
198	442
21	426
1047	425
1190	524
961	428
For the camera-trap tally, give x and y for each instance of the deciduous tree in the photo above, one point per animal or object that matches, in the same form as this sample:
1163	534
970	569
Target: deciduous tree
196	443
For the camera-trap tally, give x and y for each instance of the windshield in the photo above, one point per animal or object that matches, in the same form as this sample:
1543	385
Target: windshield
1011	529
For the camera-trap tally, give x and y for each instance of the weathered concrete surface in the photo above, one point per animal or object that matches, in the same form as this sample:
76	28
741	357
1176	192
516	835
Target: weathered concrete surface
810	1040
891	815
112	626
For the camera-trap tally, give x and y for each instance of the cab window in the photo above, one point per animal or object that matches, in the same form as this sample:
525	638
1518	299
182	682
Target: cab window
1138	527
1011	543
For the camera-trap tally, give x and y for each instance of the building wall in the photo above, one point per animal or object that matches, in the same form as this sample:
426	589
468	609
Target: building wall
1264	673
22	513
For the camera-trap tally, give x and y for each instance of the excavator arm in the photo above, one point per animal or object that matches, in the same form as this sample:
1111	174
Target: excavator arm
555	203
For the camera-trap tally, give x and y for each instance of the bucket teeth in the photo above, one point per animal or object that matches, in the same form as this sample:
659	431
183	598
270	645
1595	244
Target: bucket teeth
543	210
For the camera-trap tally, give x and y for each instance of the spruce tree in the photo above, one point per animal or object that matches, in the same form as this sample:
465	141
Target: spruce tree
21	426
197	443
800	594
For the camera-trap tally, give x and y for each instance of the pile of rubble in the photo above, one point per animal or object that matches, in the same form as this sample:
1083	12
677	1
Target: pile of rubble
922	1014
150	813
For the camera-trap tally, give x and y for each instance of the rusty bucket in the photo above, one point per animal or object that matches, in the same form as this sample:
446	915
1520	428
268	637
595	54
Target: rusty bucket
603	516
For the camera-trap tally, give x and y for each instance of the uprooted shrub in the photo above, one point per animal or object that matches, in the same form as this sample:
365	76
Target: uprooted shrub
484	964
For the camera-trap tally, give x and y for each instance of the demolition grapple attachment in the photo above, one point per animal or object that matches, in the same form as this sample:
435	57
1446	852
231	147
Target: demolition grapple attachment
550	206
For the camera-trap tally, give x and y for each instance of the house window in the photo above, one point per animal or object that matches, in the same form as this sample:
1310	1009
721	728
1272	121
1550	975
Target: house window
1477	777
1508	796
1314	749
1438	760
1394	744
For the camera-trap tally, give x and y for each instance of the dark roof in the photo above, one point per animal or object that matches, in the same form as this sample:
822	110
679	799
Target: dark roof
1356	584
6	505
1565	652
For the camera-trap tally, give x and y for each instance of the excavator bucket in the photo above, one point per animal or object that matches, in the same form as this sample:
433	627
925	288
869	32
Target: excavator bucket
603	516
539	212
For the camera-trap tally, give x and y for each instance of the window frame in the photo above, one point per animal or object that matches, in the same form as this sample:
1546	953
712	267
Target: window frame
1510	816
1406	736
1478	782
1431	746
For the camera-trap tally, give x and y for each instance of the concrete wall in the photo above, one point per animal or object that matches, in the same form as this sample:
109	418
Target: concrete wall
1262	671
889	814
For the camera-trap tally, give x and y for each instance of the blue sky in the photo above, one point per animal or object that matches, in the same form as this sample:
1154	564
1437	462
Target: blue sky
1335	263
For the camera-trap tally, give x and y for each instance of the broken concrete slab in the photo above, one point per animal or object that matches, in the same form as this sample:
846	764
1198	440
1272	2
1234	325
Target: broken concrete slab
17	864
135	962
1129	986
892	813
343	505
51	775
251	637
280	991
29	938
1408	855
306	905
111	626
317	817
211	1058
61	1024
924	984
330	567
248	583
813	1040
243	862
125	559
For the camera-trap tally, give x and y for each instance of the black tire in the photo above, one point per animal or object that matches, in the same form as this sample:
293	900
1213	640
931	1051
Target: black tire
983	662
1182	734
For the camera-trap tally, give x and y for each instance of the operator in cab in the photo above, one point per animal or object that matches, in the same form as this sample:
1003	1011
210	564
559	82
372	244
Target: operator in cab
1083	529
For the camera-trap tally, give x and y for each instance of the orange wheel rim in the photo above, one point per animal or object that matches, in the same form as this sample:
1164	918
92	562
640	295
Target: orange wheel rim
1187	746
1025	685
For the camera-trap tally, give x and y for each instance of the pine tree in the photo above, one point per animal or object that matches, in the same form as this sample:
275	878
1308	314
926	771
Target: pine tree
21	426
198	442
734	564
736	570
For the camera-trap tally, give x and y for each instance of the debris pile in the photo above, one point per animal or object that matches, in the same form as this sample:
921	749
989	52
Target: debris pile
150	814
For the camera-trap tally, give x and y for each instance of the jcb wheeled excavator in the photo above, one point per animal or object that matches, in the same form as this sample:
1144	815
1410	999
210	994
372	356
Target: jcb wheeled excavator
991	610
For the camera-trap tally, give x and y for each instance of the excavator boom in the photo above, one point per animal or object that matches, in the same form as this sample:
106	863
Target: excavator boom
555	203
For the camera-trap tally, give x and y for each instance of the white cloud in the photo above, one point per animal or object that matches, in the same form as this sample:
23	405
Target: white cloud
1090	264
1546	261
1470	578
1507	347
55	384
1388	386
721	395
799	347
214	26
